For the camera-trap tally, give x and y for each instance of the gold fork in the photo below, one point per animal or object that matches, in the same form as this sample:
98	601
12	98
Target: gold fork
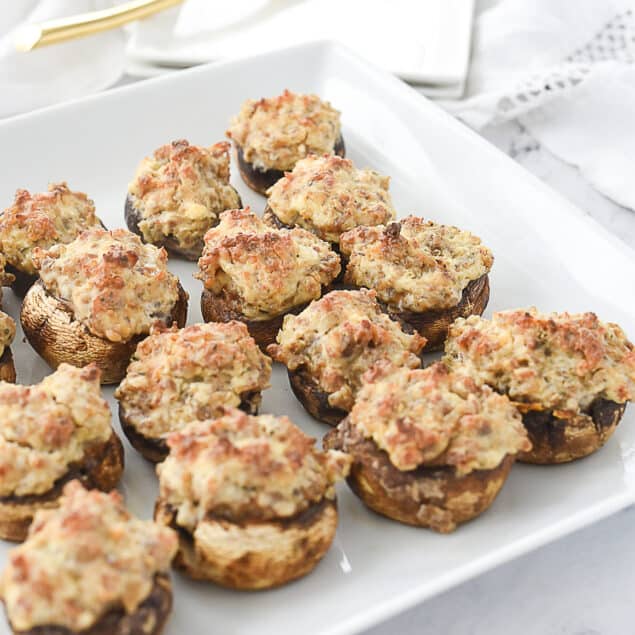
32	36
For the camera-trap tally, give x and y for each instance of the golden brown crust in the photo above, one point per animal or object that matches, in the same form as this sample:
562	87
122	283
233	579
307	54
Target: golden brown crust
265	271
328	196
433	497
336	339
560	439
551	361
115	285
434	417
46	427
570	375
81	561
132	218
251	497
43	220
178	194
149	618
242	467
253	555
275	132
100	468
57	336
413	264
177	376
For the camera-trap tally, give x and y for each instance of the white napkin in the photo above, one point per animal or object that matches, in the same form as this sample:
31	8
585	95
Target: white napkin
564	69
425	42
60	72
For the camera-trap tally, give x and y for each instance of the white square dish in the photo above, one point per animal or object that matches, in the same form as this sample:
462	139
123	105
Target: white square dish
548	254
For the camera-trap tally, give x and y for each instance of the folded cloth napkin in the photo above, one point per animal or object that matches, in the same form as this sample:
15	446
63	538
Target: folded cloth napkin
60	72
565	70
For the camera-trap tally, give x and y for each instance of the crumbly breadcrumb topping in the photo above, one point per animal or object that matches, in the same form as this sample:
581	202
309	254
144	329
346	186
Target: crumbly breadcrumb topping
42	220
276	132
115	285
180	191
243	467
266	271
46	427
435	417
556	360
328	196
414	264
179	376
82	560
338	338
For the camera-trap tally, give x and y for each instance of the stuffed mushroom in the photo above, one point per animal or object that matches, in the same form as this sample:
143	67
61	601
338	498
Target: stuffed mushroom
179	376
570	375
430	447
51	433
97	297
251	497
327	195
89	568
41	221
178	193
333	342
256	274
424	273
272	134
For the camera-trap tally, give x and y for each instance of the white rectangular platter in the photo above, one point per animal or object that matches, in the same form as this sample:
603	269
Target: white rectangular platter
548	254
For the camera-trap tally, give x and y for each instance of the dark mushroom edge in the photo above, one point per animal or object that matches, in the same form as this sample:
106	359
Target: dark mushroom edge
261	180
560	437
100	468
156	449
431	497
170	243
55	334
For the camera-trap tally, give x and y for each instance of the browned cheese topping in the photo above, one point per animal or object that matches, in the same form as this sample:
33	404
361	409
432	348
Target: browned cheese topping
243	467
115	285
338	338
415	265
179	376
276	132
47	427
82	560
557	361
265	271
43	220
7	331
328	196
434	417
180	191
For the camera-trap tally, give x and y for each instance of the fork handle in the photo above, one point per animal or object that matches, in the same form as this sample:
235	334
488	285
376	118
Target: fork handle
33	36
